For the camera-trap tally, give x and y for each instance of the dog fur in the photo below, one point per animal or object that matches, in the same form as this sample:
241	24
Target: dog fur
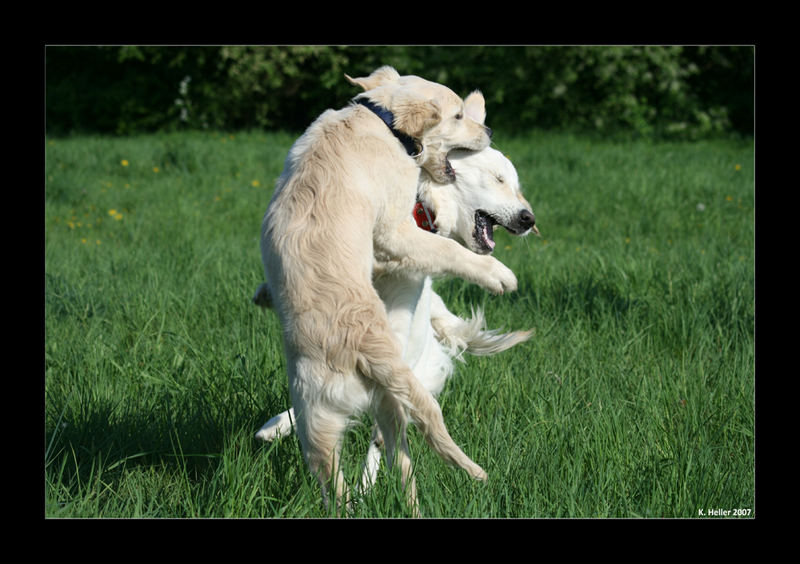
430	335
343	199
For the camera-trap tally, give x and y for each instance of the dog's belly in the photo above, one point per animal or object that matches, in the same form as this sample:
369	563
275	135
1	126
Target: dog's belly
408	306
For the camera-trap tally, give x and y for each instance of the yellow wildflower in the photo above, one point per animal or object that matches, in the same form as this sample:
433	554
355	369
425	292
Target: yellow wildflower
255	183
738	167
124	162
155	169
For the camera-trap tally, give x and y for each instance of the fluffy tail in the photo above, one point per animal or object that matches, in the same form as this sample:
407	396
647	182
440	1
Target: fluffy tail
470	335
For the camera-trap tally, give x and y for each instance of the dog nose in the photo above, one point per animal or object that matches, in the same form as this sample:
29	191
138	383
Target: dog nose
526	219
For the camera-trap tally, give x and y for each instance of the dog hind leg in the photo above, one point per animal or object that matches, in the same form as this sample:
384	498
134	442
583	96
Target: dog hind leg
391	420
322	447
380	360
320	430
279	426
373	460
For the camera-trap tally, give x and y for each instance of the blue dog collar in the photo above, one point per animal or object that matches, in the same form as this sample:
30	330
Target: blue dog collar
408	142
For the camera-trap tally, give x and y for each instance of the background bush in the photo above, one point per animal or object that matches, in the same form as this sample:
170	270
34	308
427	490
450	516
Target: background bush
645	91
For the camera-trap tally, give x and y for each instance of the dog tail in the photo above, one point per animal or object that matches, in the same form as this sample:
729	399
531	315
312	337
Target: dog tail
380	360
262	298
459	335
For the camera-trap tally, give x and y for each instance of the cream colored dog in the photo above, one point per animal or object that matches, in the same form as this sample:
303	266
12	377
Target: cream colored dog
486	192
342	200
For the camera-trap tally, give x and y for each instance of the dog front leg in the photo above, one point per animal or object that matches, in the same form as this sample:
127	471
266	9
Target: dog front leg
411	248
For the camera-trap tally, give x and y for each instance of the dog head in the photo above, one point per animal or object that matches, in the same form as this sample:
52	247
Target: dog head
484	194
432	114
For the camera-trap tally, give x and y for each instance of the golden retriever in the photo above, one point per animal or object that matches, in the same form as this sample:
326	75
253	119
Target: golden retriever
342	200
486	192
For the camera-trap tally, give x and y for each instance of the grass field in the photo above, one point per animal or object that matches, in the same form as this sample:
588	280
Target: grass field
635	398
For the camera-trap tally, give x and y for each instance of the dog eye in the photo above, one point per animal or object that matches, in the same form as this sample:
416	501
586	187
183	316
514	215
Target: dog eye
499	178
459	115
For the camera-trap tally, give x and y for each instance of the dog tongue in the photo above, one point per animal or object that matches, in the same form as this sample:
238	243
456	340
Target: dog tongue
487	237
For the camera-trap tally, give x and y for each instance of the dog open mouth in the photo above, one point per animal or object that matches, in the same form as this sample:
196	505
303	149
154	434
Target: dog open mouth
483	235
484	231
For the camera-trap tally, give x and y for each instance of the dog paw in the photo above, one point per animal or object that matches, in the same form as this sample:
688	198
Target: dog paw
500	278
270	432
267	435
279	426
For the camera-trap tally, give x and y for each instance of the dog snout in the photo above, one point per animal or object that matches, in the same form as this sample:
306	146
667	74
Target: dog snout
526	220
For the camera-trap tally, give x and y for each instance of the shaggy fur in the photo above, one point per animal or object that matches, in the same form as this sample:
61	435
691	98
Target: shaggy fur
430	335
343	199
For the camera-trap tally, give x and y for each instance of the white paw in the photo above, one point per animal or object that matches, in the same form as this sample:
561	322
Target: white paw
268	434
278	426
500	278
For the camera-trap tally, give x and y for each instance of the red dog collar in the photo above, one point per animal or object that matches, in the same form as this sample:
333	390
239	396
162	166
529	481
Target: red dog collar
424	217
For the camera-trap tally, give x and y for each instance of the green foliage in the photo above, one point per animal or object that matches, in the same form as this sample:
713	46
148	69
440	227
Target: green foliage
270	85
644	91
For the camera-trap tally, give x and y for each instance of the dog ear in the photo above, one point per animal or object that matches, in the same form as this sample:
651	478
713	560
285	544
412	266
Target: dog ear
413	115
379	77
475	107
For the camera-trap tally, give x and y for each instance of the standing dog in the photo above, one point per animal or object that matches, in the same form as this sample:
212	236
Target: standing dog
485	193
342	200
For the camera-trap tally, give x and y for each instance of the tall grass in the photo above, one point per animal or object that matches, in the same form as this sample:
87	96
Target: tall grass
635	398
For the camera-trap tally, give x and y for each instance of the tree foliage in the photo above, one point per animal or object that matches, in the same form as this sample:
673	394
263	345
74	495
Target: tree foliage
647	91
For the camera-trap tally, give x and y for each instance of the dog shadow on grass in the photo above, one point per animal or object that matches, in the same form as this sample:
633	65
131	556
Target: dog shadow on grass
190	444
588	297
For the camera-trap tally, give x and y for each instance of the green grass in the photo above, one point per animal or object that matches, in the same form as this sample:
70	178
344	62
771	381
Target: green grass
635	398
